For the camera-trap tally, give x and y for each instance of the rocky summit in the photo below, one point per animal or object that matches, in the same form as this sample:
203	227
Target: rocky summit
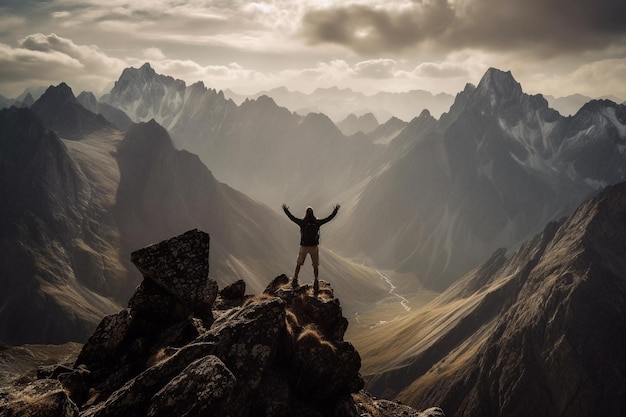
183	347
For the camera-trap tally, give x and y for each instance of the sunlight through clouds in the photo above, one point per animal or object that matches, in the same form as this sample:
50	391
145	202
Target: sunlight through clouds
437	45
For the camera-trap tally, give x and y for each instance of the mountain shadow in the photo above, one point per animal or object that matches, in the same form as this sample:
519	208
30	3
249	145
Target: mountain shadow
53	266
539	333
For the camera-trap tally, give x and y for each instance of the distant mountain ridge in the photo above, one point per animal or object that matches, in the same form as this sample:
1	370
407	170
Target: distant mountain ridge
258	147
352	124
569	105
339	103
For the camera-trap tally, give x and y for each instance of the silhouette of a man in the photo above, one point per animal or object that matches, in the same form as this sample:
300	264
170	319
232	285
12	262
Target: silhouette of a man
309	241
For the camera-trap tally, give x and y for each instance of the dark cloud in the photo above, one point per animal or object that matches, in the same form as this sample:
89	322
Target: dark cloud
372	31
545	27
23	4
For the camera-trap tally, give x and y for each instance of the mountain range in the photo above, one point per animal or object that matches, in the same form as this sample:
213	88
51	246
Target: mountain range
341	103
425	201
344	103
512	211
430	198
488	174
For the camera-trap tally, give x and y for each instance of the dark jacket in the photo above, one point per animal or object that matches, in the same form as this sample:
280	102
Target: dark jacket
313	222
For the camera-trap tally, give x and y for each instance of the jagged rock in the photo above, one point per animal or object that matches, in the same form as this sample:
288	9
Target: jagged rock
41	398
324	310
276	284
105	341
134	397
180	265
280	353
201	388
234	291
76	383
151	300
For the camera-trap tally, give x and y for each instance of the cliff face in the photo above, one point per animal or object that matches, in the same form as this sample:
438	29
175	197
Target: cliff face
182	347
50	235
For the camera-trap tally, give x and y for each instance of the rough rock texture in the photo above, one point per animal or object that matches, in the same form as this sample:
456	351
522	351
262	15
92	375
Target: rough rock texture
41	398
183	349
180	266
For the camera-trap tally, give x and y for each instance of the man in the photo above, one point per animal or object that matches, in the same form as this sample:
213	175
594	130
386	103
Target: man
309	241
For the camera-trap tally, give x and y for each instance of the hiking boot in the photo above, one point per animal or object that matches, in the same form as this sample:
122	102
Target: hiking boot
294	282
316	287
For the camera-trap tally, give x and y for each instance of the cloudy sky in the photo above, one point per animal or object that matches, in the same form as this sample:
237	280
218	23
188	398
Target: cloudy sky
556	47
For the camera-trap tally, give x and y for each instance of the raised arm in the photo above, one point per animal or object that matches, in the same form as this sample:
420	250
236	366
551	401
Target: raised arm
332	215
291	216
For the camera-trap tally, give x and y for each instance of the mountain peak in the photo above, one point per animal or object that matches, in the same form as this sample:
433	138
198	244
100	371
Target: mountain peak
500	83
146	67
144	73
147	137
60	111
60	92
143	95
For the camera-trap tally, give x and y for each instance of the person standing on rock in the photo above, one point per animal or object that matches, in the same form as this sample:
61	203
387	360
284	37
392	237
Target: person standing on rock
309	241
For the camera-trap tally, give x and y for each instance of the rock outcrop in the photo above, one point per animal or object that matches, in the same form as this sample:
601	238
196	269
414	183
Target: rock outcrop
184	348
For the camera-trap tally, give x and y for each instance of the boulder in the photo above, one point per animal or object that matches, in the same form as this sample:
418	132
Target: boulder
201	388
180	265
235	291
